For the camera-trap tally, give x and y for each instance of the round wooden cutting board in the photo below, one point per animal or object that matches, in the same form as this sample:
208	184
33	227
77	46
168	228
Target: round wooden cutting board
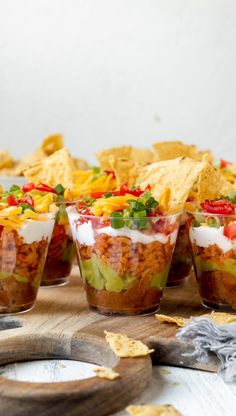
61	325
85	397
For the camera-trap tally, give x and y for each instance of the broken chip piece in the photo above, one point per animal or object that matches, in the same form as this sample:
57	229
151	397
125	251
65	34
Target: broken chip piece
219	318
153	410
126	347
107	373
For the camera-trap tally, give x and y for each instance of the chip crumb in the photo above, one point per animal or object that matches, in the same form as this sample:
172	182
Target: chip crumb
107	373
153	410
126	347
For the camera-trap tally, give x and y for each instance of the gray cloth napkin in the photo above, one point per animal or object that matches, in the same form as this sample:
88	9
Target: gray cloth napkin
208	337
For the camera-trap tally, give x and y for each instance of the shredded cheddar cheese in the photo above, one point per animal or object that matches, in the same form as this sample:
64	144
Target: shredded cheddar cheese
85	183
105	206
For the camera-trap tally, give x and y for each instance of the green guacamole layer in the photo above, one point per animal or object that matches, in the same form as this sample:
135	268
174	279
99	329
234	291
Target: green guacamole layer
228	265
102	277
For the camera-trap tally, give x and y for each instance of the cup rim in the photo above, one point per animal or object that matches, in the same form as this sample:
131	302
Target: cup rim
210	214
103	217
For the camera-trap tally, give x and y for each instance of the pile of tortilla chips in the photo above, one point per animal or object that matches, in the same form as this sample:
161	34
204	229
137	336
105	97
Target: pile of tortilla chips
176	172
50	145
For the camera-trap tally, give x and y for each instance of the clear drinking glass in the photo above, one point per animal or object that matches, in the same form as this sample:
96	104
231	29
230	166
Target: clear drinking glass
124	269
181	264
213	241
23	251
61	251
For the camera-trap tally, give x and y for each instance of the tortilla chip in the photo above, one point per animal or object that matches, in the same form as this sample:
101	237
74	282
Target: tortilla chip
121	152
6	160
126	347
143	156
57	168
179	175
219	318
81	164
28	160
52	144
107	373
211	184
178	320
126	170
153	410
174	149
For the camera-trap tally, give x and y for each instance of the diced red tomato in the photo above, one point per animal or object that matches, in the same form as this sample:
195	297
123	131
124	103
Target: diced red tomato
110	172
221	206
230	231
28	187
45	188
27	200
12	201
224	164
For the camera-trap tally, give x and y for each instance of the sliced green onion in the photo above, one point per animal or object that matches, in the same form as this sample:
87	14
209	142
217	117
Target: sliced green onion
107	195
136	205
195	223
152	203
213	222
26	206
96	170
59	189
14	188
117	220
88	201
232	197
141	220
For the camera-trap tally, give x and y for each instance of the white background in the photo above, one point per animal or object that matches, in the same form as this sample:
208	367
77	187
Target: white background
109	72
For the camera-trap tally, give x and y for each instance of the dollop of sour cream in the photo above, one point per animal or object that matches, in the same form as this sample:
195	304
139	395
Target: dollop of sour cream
207	236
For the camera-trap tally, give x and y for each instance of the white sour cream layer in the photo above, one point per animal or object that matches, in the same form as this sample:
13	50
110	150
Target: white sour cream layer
36	230
207	236
85	234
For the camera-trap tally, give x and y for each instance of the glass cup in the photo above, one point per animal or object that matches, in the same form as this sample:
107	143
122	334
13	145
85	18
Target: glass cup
213	241
125	269
23	251
61	251
181	264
